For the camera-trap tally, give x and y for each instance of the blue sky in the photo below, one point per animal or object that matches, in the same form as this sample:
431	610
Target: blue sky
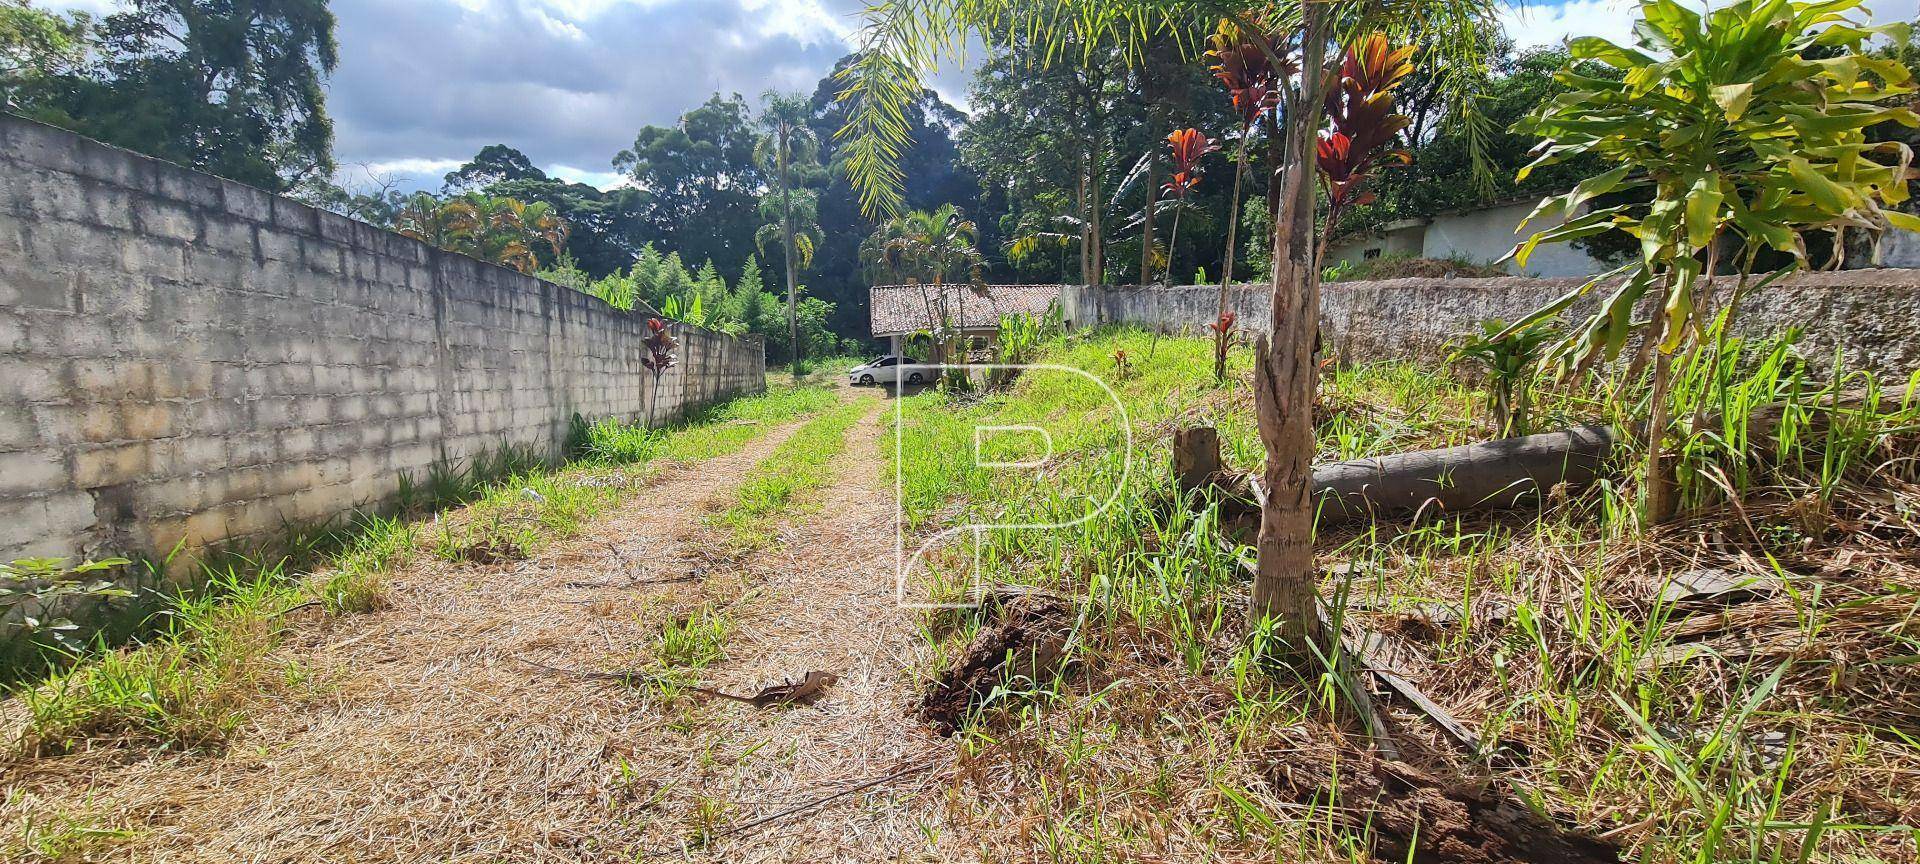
424	84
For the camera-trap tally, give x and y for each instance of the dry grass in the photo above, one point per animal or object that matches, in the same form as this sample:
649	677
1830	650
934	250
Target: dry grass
422	736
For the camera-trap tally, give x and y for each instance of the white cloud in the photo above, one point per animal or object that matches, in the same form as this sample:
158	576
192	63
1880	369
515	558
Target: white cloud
602	180
1538	23
1541	24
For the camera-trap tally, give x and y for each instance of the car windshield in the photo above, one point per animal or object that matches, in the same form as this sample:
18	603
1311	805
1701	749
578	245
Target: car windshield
876	360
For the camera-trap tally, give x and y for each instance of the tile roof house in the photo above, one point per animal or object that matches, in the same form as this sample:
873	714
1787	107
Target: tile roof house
897	310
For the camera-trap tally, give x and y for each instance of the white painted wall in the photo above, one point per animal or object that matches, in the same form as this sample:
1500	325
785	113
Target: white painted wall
1482	236
1403	241
1900	249
1486	236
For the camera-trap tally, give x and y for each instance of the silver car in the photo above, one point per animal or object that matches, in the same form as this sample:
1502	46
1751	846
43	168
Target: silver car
892	369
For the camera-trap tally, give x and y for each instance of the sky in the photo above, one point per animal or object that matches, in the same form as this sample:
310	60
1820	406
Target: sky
422	85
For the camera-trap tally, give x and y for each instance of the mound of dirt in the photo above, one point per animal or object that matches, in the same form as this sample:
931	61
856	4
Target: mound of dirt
1026	640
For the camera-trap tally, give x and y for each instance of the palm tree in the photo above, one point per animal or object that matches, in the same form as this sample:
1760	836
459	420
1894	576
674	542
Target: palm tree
434	222
498	230
903	38
928	249
789	142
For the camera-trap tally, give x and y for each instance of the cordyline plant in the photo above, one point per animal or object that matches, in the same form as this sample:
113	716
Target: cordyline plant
1188	147
659	344
1223	329
1249	63
904	38
1748	126
1361	125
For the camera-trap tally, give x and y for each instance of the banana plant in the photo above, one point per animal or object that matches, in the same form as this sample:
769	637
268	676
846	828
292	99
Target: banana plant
1748	127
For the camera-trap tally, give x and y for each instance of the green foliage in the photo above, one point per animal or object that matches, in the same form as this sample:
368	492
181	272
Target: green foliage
48	588
36	45
1021	334
776	486
701	182
1509	360
930	247
1747	125
502	231
232	89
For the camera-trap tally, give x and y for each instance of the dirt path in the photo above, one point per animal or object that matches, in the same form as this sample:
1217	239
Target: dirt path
825	601
416	734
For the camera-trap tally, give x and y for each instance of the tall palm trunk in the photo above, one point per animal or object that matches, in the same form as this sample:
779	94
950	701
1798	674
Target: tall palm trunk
1096	230
1285	375
1086	232
1233	216
1226	263
793	271
1146	218
1173	237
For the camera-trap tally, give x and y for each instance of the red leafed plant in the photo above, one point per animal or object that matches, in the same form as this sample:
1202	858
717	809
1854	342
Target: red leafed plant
1242	60
1189	147
1223	330
1361	123
659	344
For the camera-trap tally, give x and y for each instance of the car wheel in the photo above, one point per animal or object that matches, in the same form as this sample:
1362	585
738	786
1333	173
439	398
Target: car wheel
914	378
866	380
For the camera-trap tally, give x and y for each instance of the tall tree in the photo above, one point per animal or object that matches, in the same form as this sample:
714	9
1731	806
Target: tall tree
495	163
698	184
934	174
903	38
930	249
232	87
786	150
36	45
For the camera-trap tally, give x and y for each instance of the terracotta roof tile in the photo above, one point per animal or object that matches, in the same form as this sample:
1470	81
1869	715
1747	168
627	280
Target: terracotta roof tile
897	309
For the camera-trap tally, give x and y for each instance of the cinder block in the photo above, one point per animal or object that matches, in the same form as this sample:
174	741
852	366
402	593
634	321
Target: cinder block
145	421
278	245
107	379
31	379
156	259
251	449
111	464
31	472
292	215
196	190
246	202
29	285
166	220
41	145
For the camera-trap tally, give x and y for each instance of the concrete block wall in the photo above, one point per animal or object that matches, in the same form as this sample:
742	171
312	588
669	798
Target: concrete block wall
1871	316
188	358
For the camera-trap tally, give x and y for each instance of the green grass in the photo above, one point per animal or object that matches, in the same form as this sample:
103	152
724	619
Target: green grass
801	464
189	684
1561	654
719	431
696	640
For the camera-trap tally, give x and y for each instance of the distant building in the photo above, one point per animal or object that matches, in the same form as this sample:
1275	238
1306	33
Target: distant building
974	312
1481	235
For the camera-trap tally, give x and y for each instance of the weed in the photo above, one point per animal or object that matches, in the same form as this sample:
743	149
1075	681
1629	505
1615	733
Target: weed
695	640
800	464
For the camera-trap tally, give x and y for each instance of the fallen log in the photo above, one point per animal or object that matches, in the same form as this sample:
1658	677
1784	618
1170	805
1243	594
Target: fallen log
1512	472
